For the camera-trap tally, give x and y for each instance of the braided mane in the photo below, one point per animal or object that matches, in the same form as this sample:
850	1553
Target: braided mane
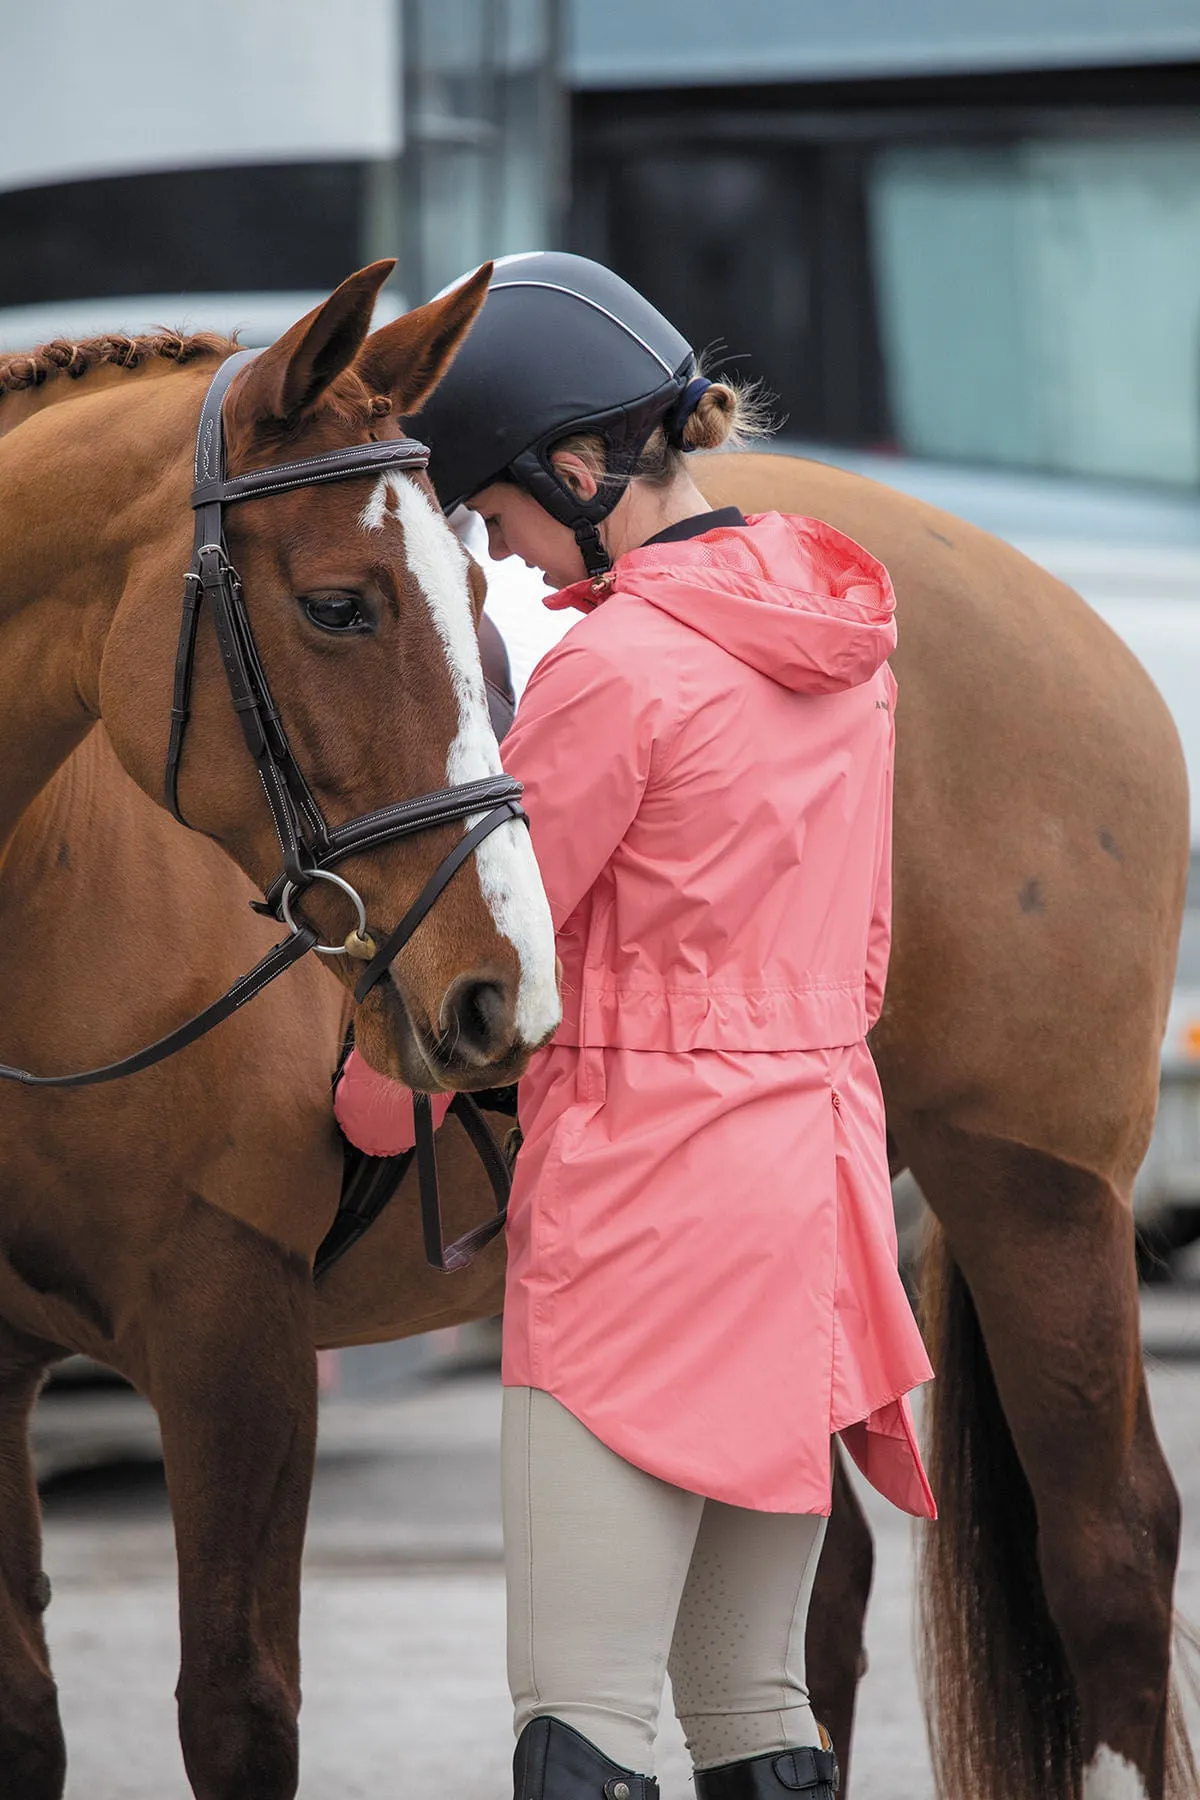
21	370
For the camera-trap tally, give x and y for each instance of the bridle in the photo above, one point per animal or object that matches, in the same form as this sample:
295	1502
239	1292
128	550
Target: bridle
309	846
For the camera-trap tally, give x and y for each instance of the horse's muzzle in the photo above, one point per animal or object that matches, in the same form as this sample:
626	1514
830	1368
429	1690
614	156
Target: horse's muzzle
478	1020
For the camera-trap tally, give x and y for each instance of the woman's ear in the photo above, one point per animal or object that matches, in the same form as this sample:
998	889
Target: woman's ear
575	473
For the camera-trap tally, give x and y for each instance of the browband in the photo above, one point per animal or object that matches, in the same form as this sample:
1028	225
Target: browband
213	487
335	465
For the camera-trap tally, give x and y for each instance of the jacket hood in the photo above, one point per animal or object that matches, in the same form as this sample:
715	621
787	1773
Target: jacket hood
791	597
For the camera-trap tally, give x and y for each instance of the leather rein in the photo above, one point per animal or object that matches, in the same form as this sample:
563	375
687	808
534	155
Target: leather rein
309	846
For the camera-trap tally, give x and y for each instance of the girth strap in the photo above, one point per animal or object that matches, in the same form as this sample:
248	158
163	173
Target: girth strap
373	1181
367	1188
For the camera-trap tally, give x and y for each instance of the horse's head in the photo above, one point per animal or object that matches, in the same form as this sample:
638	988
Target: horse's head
364	609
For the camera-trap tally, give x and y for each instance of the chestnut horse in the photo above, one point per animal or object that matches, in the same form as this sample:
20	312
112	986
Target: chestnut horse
166	1223
1041	853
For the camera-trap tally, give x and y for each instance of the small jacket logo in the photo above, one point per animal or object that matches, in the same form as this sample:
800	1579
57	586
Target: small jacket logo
882	706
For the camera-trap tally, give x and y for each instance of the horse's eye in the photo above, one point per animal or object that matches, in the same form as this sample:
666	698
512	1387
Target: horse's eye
337	612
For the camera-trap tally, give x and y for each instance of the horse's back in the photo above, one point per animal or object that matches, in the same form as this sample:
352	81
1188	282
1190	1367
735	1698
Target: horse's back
1042	829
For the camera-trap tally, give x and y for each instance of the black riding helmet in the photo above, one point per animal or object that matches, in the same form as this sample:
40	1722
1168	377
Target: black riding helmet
561	345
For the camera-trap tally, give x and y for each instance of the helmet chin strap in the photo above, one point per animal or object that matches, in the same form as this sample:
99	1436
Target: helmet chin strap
582	517
596	559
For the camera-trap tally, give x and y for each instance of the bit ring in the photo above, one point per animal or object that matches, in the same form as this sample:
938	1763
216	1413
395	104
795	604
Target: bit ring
360	932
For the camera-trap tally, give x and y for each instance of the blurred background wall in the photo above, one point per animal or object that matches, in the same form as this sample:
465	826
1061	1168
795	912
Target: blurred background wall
229	161
963	229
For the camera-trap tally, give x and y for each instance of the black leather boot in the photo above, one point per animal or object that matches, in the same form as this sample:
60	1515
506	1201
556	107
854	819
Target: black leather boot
556	1762
813	1773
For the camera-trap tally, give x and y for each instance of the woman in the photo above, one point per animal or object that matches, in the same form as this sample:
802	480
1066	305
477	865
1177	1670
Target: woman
702	1284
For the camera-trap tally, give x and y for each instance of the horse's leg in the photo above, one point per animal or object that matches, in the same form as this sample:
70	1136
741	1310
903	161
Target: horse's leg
233	1376
32	1757
1061	1564
834	1655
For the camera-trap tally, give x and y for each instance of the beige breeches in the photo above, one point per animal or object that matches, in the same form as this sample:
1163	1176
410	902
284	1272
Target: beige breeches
614	1576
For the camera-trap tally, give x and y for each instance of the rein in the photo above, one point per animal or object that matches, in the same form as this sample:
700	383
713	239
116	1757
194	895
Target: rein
309	846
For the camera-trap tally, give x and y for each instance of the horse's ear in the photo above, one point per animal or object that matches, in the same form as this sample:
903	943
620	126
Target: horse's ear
289	378
406	359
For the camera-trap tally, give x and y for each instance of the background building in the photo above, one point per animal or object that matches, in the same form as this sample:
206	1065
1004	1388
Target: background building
964	229
229	162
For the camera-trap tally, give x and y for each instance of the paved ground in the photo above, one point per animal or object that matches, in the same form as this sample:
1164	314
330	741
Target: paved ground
403	1620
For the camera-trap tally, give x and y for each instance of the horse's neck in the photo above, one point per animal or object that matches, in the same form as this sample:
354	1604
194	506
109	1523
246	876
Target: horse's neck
82	485
25	403
92	843
16	408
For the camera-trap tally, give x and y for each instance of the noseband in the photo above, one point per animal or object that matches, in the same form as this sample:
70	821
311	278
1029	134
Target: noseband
309	846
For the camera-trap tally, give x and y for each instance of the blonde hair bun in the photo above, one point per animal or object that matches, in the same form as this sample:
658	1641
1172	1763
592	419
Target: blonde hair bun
713	419
731	413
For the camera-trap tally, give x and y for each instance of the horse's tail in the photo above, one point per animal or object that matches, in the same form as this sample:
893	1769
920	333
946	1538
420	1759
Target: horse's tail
999	1694
999	1697
1182	1776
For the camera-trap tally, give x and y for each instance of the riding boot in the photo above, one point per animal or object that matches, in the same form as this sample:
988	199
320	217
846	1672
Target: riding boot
556	1762
807	1771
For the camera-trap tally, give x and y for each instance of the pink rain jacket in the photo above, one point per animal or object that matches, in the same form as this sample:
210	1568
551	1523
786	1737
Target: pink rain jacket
701	1247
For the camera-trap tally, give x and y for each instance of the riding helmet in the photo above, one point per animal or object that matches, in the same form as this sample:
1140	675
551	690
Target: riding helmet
561	345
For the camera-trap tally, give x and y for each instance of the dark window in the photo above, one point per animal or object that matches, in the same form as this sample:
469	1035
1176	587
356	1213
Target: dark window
999	270
272	227
759	254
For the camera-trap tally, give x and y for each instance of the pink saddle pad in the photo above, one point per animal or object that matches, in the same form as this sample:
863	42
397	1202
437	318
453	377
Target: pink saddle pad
377	1114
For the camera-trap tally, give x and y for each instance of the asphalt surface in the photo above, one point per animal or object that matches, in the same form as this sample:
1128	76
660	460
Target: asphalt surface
403	1596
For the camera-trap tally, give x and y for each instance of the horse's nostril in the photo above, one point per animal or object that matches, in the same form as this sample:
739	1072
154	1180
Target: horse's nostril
478	1017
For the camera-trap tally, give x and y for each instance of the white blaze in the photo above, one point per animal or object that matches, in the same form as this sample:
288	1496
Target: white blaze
508	875
1110	1777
